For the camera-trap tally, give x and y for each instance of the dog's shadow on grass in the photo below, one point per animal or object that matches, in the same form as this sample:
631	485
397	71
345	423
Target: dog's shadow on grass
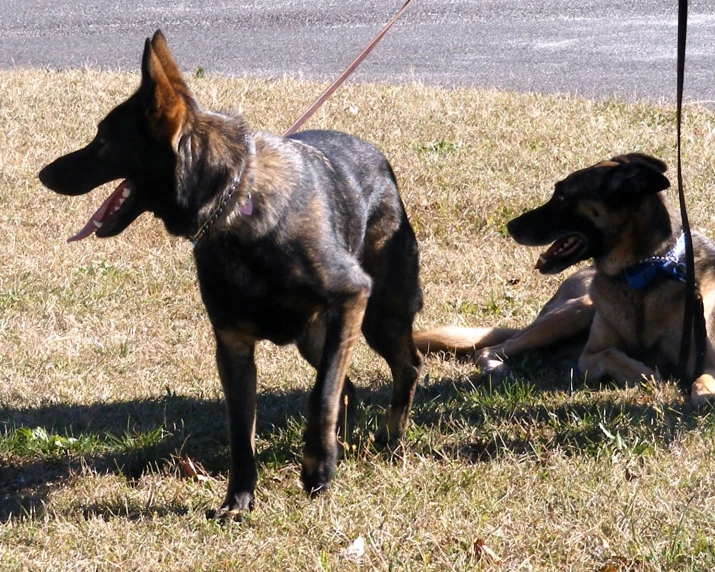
544	407
47	445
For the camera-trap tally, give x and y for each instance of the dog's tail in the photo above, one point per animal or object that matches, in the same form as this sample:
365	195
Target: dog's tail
460	340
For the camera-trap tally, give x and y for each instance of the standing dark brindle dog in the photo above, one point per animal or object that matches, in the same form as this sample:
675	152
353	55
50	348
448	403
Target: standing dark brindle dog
302	239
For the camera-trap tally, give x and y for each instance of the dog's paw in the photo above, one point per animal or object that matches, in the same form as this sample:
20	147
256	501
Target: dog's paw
653	375
703	390
317	473
391	429
386	439
236	507
491	365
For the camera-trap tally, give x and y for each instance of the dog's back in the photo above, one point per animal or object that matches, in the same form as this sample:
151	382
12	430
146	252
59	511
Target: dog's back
367	210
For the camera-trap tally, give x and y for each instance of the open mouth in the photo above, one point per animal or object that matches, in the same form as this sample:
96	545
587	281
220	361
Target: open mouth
101	222
563	253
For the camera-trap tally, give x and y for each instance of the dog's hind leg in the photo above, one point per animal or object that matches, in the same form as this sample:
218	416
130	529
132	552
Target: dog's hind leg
396	298
310	345
237	369
603	356
392	339
342	327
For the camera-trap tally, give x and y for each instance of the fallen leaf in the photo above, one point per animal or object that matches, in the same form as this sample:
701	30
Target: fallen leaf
191	471
481	551
356	550
631	474
622	564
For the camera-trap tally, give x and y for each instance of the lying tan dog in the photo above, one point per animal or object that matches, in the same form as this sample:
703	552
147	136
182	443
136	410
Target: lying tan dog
630	302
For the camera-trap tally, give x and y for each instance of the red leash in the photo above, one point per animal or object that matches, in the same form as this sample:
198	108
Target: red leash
343	76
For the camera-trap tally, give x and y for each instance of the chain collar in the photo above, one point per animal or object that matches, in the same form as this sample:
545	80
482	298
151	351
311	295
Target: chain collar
645	271
246	209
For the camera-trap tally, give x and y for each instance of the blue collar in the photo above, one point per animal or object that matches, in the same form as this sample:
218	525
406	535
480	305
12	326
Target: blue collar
672	265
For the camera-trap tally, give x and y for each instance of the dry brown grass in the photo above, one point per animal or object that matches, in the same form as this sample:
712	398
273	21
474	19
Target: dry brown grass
105	348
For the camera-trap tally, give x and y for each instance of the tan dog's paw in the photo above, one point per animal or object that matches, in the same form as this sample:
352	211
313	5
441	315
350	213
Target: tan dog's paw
491	364
703	390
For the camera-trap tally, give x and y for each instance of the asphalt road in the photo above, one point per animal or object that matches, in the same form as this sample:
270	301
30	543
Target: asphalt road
594	48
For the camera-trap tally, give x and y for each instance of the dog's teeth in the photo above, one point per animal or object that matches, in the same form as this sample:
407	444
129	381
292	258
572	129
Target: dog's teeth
97	224
126	192
115	209
121	201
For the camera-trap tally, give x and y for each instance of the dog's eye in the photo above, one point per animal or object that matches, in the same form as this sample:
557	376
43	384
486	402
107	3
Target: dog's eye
595	212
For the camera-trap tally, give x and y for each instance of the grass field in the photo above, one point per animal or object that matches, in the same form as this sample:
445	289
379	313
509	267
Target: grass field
108	376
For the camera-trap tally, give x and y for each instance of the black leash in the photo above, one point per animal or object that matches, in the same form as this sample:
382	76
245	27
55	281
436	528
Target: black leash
693	315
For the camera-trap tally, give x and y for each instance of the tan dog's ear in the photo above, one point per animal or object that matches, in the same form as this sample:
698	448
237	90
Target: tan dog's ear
634	178
166	109
654	163
172	71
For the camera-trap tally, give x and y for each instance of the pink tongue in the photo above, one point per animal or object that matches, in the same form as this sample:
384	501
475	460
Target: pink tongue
113	199
544	256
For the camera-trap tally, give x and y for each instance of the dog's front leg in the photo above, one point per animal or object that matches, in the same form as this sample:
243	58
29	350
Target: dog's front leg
602	356
321	448
237	369
559	324
703	388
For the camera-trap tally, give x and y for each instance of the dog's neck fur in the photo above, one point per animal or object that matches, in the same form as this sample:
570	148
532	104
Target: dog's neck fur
651	232
210	162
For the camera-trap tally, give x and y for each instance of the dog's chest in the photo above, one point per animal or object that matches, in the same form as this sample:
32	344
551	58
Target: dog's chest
623	310
644	320
266	300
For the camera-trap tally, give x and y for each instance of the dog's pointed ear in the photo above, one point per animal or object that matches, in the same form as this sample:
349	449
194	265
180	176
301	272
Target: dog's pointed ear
172	71
166	108
656	164
633	175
